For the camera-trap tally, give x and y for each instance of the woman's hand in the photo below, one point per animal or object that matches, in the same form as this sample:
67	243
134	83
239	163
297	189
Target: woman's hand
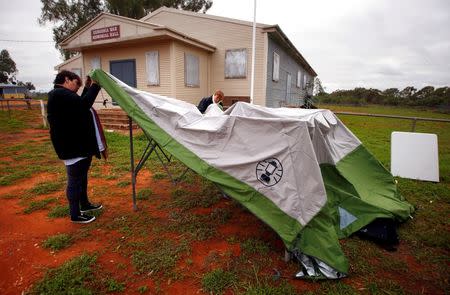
88	82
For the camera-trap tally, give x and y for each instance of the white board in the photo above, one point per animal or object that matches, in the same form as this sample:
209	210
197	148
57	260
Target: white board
415	155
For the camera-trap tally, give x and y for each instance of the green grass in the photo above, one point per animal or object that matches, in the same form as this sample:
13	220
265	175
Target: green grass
142	289
217	281
73	277
268	289
114	286
8	196
58	242
336	288
384	287
144	194
124	183
255	246
13	176
388	110
15	121
161	258
198	227
221	215
38	205
59	211
159	175
184	198
28	158
47	187
137	225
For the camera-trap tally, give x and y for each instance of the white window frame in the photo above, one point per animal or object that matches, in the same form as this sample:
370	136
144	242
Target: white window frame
305	80
299	79
152	67
191	81
276	67
288	87
236	63
96	63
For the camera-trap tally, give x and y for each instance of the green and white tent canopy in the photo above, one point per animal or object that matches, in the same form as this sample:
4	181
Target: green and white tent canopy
302	172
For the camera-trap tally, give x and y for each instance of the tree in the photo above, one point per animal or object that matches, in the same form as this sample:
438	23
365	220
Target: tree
392	92
140	8
27	85
71	15
192	5
318	88
8	68
131	8
30	86
424	92
408	92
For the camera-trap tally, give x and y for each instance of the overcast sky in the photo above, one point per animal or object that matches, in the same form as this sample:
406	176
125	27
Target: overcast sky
349	43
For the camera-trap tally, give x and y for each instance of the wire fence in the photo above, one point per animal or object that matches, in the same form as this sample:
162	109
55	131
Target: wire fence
413	119
17	104
24	104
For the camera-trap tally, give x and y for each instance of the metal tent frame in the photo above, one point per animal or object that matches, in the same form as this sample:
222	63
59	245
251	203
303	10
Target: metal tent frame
152	146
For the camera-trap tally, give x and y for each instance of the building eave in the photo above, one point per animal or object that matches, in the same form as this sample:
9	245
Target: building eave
73	58
159	32
200	15
276	31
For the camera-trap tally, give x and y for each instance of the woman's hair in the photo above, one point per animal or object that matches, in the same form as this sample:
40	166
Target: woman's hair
61	77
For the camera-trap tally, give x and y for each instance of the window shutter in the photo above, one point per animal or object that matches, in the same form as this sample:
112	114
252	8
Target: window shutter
95	63
236	63
152	59
276	67
191	70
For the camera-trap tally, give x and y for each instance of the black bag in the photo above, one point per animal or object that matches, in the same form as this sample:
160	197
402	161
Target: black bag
382	231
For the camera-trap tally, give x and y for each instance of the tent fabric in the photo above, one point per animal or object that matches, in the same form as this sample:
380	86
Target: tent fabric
296	170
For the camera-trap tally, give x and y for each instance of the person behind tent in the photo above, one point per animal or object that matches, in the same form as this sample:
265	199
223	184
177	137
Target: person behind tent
216	98
76	135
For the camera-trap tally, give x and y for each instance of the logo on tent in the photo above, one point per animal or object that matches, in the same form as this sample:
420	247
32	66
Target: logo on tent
269	171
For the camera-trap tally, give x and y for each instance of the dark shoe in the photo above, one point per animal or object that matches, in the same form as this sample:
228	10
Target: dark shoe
83	219
90	207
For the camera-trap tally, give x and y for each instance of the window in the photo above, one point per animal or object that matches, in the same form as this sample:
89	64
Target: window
276	67
305	81
95	63
236	63
191	70
152	62
299	79
288	87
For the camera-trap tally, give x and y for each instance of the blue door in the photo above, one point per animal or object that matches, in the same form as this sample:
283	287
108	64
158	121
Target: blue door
124	70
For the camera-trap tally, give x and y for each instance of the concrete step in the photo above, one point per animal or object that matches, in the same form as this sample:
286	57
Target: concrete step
118	126
115	119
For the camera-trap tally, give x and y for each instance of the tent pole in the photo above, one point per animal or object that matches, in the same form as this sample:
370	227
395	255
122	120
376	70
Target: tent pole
133	174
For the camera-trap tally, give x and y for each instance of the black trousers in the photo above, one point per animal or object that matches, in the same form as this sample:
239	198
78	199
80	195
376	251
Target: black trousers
77	181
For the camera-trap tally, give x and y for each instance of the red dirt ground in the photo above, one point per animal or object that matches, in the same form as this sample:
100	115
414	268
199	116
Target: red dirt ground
23	260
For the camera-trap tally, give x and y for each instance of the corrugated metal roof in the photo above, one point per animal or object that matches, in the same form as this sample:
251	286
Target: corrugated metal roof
2	85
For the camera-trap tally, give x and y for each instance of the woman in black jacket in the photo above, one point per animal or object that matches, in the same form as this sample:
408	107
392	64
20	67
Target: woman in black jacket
74	137
205	102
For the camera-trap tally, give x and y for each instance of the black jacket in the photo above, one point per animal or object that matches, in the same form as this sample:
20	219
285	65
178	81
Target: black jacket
72	129
204	104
